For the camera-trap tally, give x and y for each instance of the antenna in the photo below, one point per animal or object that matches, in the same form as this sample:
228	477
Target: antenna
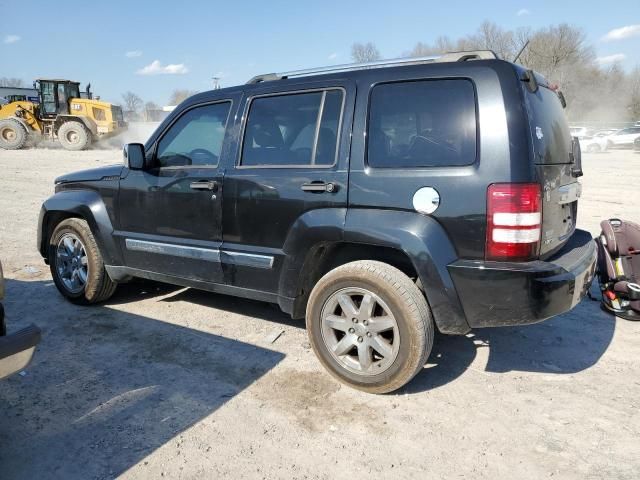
520	52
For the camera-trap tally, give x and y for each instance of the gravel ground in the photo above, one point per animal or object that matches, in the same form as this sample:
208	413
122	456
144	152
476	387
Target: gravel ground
176	383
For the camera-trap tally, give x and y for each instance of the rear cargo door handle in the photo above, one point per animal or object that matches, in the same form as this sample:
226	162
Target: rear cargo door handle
319	187
211	185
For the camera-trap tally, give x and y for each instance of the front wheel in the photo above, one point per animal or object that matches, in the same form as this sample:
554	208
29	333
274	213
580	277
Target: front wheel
13	135
74	136
370	326
76	264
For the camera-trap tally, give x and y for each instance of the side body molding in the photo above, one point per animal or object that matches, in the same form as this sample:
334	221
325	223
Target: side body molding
86	204
427	245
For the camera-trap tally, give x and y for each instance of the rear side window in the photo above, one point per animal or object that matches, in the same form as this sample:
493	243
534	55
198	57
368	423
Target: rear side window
298	129
429	123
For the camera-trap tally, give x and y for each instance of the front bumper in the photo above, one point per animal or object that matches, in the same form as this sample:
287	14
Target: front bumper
501	293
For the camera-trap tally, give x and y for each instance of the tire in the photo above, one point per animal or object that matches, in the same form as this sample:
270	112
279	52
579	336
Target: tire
90	283
593	148
74	136
13	135
393	298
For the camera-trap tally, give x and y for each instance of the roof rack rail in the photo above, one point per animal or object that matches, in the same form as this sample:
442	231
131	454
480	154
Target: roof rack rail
347	67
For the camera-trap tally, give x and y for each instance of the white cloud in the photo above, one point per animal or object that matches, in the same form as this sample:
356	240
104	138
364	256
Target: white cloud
616	57
522	12
333	56
12	38
156	68
133	53
622	33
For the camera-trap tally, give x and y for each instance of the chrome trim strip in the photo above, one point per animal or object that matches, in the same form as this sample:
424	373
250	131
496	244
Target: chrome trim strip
248	259
210	255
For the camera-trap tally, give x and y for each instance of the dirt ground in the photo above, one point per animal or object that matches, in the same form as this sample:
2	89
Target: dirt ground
176	383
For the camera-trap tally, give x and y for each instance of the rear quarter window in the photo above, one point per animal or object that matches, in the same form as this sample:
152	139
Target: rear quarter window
427	123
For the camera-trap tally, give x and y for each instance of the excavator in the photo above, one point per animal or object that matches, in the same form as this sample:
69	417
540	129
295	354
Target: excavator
61	115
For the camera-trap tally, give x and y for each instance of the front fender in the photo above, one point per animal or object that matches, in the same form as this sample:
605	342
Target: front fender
428	246
86	204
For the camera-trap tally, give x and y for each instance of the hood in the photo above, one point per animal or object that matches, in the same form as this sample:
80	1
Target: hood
93	174
94	103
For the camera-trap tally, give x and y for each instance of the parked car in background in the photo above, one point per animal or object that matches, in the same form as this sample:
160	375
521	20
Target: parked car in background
636	145
579	131
594	144
604	132
623	138
16	350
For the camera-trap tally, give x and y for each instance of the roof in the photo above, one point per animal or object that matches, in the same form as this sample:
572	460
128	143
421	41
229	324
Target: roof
447	57
59	80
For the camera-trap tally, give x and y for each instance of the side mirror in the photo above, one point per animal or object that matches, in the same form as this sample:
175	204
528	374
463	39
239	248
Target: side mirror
133	156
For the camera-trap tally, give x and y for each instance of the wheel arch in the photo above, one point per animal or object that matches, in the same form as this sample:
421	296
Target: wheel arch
87	205
86	121
415	244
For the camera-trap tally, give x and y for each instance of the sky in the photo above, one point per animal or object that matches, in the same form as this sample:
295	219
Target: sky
155	47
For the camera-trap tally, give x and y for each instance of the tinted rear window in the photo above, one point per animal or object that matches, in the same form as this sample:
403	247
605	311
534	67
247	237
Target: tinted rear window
428	123
549	128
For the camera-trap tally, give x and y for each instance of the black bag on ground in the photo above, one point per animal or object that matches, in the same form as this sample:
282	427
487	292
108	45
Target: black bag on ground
619	267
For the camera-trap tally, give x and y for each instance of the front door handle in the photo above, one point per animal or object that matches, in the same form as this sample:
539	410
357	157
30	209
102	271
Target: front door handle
319	187
211	185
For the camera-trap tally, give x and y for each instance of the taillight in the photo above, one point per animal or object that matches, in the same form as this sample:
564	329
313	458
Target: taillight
514	217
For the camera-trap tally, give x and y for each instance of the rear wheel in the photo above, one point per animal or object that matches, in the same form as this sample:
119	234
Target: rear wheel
593	148
76	264
370	326
74	136
13	135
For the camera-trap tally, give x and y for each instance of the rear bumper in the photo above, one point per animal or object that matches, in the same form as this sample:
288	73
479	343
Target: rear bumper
500	293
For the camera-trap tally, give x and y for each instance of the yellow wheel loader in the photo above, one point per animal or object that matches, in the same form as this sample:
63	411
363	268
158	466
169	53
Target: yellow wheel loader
61	115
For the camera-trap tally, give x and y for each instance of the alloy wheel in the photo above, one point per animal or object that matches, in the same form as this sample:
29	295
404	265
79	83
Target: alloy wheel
360	331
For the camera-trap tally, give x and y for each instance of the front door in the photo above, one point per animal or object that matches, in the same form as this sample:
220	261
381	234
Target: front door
291	171
170	217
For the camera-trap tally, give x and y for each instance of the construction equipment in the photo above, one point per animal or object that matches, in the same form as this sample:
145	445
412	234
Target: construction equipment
62	114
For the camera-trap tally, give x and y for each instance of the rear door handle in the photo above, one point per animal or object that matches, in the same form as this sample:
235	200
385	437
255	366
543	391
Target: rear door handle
319	187
204	185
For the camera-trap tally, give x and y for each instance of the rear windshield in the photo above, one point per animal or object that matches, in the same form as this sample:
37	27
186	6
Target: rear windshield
549	127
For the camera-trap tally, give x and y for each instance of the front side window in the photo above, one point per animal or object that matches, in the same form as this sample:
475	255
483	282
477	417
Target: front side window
196	138
427	123
293	130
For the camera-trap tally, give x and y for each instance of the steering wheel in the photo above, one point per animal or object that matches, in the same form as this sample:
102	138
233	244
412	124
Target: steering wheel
202	156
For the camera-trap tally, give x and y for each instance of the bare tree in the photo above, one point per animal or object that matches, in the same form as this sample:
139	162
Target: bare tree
149	109
364	52
634	96
132	102
180	95
11	82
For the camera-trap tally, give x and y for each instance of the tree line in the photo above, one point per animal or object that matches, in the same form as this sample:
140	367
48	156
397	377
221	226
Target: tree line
595	92
138	109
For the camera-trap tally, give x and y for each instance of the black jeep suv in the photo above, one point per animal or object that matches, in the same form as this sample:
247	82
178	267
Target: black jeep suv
379	201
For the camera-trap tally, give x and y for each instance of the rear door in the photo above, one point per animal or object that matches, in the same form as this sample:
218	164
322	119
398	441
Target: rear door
556	162
291	169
